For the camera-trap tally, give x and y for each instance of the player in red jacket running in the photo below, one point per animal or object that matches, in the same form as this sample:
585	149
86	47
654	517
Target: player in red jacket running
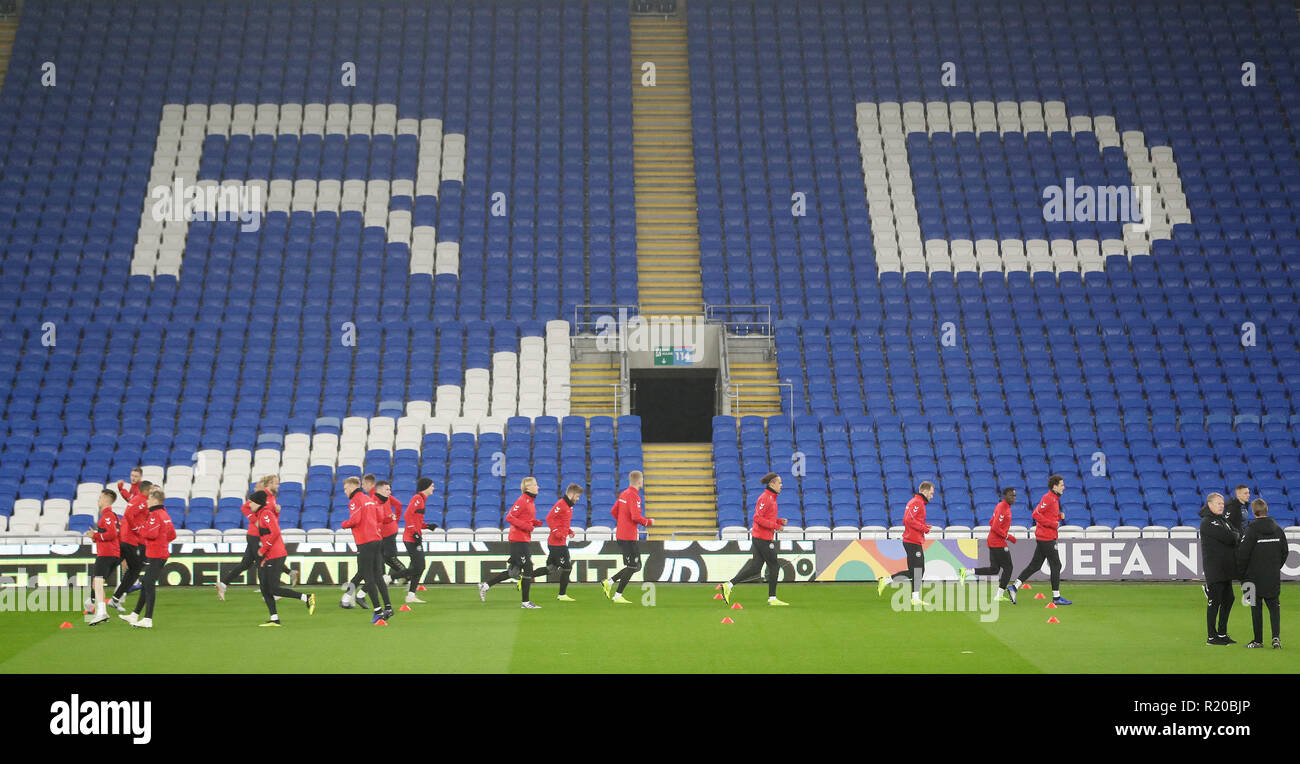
363	519
522	518
557	541
999	535
628	520
158	534
390	513
1047	519
914	529
131	544
270	555
251	541
107	551
766	524
413	536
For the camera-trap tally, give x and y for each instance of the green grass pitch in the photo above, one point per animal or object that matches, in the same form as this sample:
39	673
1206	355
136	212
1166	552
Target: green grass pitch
829	628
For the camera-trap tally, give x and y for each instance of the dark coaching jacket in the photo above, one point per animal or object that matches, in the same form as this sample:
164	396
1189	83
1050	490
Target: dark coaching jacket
1218	547
1261	555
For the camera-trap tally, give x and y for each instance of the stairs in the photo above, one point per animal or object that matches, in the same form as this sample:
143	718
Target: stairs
592	389
758	388
667	229
679	491
8	31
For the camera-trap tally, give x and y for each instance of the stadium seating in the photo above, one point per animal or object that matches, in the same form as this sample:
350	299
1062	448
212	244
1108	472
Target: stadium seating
408	155
876	174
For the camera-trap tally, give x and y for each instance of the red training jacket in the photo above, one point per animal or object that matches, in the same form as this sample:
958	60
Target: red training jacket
106	537
389	511
129	492
363	518
999	524
247	509
766	523
914	525
270	544
158	533
414	517
558	519
627	513
523	518
134	517
1047	517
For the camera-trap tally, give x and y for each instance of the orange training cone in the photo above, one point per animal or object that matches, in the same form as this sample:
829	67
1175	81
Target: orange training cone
718	587
717	596
727	620
1052	620
381	622
65	625
404	609
737	606
421	588
1039	596
1026	586
1052	605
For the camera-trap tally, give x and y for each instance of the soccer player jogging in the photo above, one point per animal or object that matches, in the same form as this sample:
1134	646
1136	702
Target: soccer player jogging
766	524
557	541
107	551
1260	558
522	518
413	535
914	529
628	517
390	512
999	554
270	555
363	519
131	544
158	534
251	541
1047	519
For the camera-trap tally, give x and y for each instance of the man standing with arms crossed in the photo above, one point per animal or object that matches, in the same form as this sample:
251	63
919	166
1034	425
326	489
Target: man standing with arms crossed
1047	519
628	517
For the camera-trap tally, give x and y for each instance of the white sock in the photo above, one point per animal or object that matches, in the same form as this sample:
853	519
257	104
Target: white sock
1017	583
769	599
276	618
1056	592
101	609
304	598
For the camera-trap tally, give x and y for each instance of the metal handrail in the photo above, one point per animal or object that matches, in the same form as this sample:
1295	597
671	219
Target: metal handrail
724	371
617	393
619	312
711	311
